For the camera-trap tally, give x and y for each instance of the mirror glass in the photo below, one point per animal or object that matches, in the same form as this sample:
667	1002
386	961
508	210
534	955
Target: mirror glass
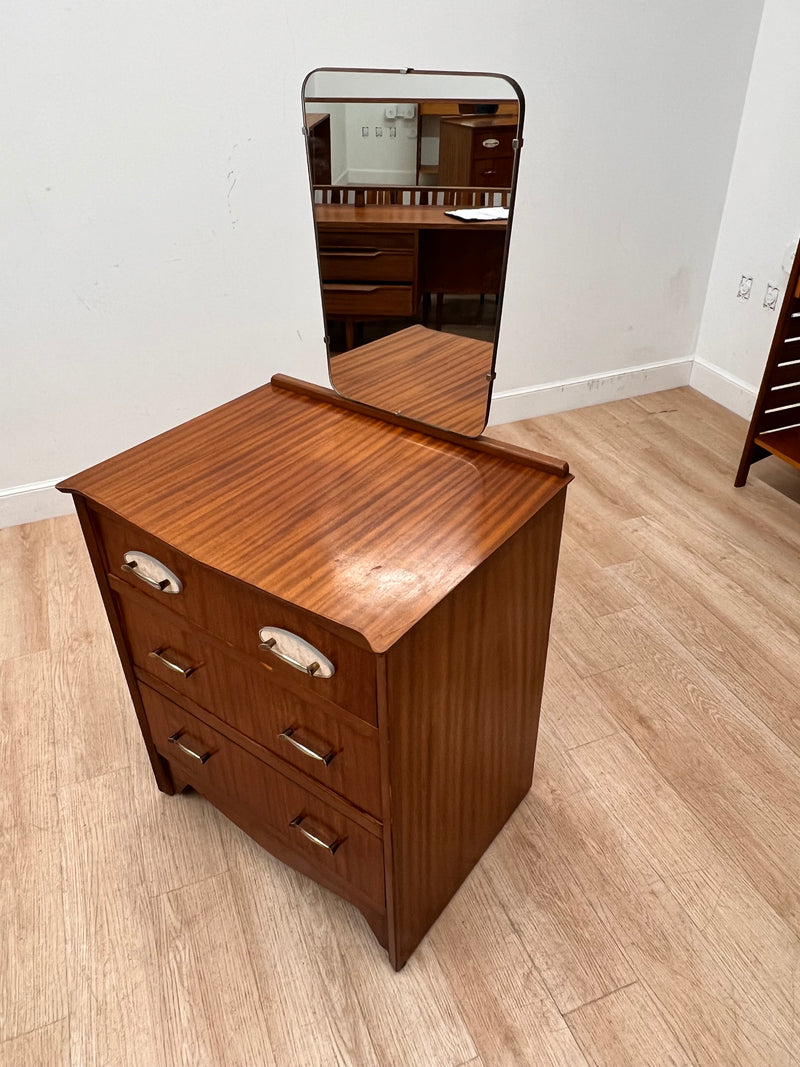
412	182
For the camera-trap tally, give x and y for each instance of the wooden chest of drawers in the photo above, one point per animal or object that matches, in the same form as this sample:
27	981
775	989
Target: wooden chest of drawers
477	150
382	752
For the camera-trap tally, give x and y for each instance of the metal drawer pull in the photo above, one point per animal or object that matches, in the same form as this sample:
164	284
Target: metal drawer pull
288	735
158	653
175	739
330	846
490	142
162	586
270	646
347	253
152	572
350	287
295	651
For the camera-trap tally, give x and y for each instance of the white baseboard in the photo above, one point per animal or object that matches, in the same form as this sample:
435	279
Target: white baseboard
726	389
29	503
512	405
39	500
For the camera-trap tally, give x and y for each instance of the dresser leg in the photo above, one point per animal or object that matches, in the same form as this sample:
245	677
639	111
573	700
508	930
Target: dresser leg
174	777
376	920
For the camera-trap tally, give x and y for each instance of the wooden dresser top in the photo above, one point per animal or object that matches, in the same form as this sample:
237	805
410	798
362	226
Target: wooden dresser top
361	522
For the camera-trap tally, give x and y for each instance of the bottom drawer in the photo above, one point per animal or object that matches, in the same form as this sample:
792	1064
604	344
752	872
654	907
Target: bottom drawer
356	300
341	854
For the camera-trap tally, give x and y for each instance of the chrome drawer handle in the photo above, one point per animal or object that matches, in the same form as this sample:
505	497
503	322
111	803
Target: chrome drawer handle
162	586
152	572
175	739
295	651
330	846
288	735
158	653
269	646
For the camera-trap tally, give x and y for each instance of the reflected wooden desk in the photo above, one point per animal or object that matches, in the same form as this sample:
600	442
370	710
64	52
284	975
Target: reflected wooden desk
378	260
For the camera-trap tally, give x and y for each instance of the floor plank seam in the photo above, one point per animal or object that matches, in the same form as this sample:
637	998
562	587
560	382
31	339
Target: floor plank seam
594	740
603	996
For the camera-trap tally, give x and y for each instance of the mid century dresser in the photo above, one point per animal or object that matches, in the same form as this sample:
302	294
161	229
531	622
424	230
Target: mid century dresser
334	626
477	150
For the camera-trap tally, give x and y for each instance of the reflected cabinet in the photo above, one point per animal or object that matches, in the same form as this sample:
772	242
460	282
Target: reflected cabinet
334	626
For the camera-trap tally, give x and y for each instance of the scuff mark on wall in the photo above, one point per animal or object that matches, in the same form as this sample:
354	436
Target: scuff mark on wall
232	179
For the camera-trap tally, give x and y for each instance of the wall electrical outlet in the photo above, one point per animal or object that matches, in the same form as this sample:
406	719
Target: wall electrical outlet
365	131
771	296
379	131
392	131
745	287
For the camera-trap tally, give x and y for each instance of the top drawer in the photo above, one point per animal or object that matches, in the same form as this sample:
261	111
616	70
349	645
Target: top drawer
237	612
386	240
493	143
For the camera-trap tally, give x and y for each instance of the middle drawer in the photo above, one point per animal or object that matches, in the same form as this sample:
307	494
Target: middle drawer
360	300
339	750
356	256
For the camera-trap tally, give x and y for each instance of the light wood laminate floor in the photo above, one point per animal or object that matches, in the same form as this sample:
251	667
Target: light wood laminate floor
641	908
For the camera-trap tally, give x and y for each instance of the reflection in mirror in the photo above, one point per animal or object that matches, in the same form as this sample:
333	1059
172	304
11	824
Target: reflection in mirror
412	179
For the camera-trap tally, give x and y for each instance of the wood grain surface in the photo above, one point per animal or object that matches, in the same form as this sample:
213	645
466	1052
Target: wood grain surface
307	501
437	377
463	694
387	217
247	699
456	704
639	910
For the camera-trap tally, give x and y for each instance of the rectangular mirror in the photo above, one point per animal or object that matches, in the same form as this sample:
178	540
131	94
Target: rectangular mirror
412	182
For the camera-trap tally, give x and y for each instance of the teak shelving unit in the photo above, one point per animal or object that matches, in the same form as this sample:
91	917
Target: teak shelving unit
775	426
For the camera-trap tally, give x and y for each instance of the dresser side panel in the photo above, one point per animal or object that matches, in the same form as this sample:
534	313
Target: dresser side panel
464	691
93	544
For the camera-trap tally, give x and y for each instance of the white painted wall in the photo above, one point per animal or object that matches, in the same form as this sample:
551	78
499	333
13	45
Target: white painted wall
760	222
394	85
379	160
366	145
156	237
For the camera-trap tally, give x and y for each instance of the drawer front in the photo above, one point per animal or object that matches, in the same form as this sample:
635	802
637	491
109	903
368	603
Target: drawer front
336	750
357	300
487	143
495	172
236	612
366	264
256	795
385	240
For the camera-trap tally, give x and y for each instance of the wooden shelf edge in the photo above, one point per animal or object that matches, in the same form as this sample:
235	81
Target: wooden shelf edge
785	444
547	464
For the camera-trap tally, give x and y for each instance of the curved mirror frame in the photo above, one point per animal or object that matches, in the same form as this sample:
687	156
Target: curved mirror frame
412	293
